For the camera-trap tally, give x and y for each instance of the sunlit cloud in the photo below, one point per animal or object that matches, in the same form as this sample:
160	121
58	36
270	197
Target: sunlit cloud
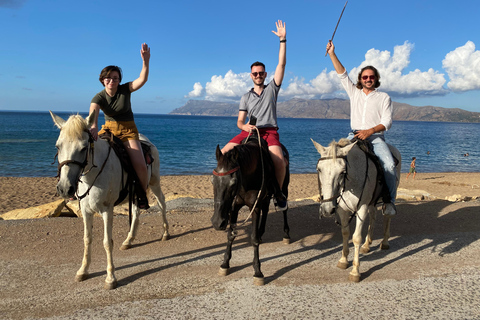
462	66
196	92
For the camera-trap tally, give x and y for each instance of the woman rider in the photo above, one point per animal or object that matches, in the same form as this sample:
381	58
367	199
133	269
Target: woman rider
115	103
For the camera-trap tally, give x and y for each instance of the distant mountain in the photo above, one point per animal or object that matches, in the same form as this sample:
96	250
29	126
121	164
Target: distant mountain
330	109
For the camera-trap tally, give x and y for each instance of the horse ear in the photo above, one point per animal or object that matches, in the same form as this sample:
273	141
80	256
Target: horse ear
343	151
319	147
218	153
59	122
91	118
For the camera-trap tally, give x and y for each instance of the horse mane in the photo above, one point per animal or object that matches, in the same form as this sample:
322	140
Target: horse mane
75	127
241	154
334	146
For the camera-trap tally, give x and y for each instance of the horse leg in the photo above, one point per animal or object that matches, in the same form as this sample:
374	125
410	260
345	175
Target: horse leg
82	273
368	239
263	221
127	244
258	279
357	240
286	228
344	220
110	281
231	235
160	197
386	232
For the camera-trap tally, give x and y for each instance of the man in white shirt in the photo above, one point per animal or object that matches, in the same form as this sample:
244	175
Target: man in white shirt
370	117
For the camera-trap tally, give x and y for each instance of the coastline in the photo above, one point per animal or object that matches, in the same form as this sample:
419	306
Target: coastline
25	192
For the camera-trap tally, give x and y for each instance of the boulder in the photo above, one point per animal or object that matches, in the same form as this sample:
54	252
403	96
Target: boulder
48	210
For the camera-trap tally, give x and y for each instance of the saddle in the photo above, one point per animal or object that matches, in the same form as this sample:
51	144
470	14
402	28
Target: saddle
133	183
367	148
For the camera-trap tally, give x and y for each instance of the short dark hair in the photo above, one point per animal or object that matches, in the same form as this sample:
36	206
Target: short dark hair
257	64
377	77
107	71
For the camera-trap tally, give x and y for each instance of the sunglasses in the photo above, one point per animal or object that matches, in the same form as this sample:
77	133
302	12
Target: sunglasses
261	74
368	77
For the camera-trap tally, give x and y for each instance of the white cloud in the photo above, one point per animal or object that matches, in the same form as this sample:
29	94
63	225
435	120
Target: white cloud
196	92
325	83
229	87
463	68
392	77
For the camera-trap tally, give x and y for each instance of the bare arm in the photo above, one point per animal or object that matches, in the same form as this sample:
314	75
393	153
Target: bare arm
242	116
281	33
142	79
94	128
336	63
364	134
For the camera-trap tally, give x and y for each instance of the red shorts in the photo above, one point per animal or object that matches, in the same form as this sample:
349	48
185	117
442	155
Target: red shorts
270	135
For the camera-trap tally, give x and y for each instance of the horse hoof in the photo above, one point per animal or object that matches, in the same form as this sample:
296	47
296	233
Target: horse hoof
259	281
384	246
364	250
81	277
110	286
342	265
223	272
286	240
166	237
354	278
125	246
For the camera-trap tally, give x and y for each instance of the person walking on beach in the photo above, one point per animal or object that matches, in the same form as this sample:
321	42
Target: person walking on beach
115	103
412	168
370	117
261	103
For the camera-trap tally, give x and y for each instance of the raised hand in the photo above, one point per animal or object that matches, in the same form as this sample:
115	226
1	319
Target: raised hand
281	30
145	52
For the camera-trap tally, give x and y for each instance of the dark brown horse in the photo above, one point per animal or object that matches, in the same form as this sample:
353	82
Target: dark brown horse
244	176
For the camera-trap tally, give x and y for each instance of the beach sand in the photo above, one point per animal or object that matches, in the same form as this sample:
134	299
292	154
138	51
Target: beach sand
430	271
20	193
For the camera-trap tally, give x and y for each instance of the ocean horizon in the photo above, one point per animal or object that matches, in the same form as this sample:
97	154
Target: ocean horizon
187	143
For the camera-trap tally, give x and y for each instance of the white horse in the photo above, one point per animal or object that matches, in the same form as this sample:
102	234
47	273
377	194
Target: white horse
347	180
90	171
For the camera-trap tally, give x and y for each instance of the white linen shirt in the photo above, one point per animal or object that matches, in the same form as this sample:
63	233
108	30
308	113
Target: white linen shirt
367	111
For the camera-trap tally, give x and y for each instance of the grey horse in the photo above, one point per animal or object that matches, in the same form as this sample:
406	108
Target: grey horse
349	187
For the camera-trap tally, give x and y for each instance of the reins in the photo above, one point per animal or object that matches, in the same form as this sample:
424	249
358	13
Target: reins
340	195
263	177
90	150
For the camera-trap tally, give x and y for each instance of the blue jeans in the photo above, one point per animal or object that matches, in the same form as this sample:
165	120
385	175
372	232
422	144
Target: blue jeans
381	150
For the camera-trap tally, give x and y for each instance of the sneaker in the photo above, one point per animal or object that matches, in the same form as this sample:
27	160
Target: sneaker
389	209
281	203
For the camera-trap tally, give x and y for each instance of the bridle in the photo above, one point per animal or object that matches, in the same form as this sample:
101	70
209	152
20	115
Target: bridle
221	174
235	169
84	164
340	193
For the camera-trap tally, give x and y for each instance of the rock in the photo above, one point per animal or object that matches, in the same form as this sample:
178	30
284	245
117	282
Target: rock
74	208
457	198
48	210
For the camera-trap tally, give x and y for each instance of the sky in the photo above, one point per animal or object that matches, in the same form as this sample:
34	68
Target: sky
51	52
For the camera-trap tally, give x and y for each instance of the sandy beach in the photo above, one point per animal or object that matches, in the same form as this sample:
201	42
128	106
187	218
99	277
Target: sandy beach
429	272
19	193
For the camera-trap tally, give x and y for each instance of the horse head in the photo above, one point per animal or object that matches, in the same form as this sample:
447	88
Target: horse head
331	168
73	148
225	180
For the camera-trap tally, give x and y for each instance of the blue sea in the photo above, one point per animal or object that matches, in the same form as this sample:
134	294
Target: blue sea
187	143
